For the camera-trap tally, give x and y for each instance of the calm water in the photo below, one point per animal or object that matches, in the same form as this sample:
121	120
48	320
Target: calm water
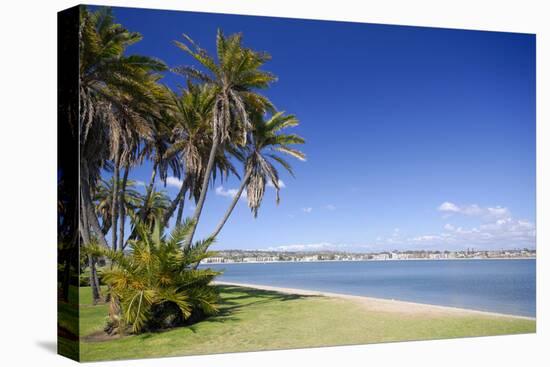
506	286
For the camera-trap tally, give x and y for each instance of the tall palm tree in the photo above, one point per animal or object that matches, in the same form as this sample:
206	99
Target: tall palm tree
267	140
190	135
130	148
191	141
123	203
156	150
235	77
137	147
117	99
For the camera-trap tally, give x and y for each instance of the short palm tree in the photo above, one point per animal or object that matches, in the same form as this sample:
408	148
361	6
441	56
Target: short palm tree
151	209
103	199
235	78
153	285
263	150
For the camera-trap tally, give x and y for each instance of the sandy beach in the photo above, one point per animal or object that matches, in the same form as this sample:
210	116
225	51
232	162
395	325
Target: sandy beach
380	304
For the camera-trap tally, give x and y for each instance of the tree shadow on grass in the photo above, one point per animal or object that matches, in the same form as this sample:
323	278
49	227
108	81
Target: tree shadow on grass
236	297
233	300
238	292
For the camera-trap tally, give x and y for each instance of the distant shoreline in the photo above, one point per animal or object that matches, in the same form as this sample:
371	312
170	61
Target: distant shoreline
381	303
370	260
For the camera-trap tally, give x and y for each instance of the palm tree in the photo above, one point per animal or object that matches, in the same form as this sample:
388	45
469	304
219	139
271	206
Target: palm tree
190	135
103	198
156	150
150	209
123	203
235	77
266	142
117	93
191	141
154	286
138	148
117	99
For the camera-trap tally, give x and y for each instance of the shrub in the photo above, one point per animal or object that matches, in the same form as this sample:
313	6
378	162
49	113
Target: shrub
157	284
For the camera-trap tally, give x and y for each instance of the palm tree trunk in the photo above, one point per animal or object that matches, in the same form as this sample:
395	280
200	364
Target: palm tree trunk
228	212
180	211
88	206
93	222
204	189
94	280
180	196
232	206
122	206
86	236
114	200
89	220
151	181
149	191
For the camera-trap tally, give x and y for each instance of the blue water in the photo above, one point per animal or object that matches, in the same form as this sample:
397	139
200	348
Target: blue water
505	286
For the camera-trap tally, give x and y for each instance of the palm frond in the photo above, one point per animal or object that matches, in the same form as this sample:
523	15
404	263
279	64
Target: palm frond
158	271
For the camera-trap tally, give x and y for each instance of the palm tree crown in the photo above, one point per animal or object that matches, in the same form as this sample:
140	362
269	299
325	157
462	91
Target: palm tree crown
235	78
118	93
267	141
219	120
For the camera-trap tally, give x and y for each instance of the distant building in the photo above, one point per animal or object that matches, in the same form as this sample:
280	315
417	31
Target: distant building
382	256
214	260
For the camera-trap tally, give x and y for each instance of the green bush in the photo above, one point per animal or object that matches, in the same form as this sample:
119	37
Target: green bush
157	284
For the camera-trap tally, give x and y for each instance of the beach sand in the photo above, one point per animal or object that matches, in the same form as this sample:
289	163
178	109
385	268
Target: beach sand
380	304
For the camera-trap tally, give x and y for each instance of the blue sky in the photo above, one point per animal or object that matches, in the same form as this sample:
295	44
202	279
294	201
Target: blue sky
417	138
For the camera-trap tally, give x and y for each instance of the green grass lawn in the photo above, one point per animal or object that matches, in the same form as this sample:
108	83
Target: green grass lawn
253	320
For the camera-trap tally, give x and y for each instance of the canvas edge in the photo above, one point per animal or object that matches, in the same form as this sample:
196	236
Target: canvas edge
68	312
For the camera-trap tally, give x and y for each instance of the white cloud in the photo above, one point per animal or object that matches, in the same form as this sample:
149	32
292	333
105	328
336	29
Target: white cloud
425	238
448	207
281	184
321	246
449	227
139	183
174	181
499	212
502	233
330	207
496	229
329	246
394	238
230	193
474	210
307	210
